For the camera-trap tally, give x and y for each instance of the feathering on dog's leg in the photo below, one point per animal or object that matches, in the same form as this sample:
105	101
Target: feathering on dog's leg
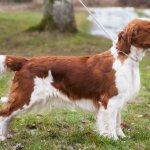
106	122
119	130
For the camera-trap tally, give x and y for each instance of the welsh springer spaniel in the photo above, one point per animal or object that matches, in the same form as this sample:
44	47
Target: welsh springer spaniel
101	84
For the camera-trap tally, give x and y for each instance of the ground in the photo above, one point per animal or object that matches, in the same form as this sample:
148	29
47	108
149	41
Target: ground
66	129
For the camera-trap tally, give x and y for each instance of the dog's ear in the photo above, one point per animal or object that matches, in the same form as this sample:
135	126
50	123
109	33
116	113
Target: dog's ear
142	38
141	34
125	39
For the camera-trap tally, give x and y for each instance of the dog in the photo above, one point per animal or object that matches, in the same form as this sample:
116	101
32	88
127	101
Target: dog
100	84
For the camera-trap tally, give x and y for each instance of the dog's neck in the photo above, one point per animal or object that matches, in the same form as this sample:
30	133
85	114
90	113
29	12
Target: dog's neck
136	54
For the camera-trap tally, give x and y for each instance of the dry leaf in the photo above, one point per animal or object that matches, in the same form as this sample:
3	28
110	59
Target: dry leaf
125	125
139	116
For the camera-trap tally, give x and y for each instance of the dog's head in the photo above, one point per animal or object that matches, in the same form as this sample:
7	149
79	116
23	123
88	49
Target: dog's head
136	33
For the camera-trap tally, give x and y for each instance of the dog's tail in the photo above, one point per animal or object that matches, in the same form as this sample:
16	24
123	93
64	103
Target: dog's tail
8	62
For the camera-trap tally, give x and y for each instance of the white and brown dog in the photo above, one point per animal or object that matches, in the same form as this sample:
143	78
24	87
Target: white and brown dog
101	84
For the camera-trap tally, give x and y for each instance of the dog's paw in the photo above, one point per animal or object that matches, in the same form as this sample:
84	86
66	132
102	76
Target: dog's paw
111	135
120	133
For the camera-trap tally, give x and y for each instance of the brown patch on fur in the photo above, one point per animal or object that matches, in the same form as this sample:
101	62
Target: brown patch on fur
87	78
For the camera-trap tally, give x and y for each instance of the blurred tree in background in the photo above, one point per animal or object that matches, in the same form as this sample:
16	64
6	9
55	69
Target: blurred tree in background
58	15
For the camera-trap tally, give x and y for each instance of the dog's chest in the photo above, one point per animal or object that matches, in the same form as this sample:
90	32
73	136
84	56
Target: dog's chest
127	79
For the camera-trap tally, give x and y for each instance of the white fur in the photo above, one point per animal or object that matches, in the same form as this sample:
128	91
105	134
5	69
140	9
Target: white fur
128	84
137	53
119	130
114	51
128	76
147	19
4	122
106	121
4	99
3	67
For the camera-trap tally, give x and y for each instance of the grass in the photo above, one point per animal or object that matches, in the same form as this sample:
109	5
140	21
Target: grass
35	43
65	129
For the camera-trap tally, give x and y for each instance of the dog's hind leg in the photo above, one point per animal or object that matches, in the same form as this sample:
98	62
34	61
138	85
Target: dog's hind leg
18	103
4	124
6	117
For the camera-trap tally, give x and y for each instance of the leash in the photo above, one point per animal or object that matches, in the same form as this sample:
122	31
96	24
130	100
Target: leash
100	25
132	58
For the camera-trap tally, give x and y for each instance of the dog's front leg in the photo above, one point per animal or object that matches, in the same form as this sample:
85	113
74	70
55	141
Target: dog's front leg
119	130
107	122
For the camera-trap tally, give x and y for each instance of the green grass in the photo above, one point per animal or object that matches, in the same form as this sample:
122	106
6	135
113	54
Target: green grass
65	129
14	40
